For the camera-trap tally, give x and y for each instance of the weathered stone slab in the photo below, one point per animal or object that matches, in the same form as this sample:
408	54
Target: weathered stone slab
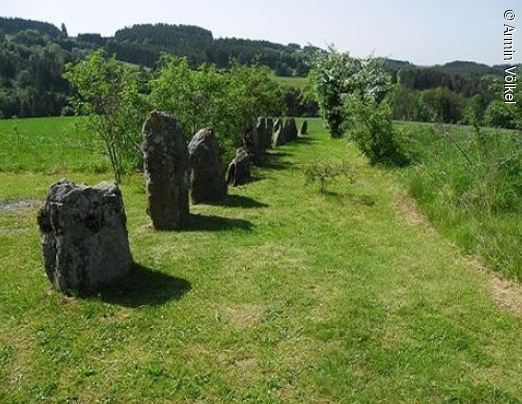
304	128
290	130
278	137
207	176
84	237
166	172
239	170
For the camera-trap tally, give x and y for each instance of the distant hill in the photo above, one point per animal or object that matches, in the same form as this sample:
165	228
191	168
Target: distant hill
143	44
11	26
464	67
33	56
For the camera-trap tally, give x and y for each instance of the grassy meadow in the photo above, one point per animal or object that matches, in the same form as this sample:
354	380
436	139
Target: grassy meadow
297	82
282	294
469	186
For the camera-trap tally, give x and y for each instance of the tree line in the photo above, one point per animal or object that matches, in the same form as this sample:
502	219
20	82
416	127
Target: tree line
33	55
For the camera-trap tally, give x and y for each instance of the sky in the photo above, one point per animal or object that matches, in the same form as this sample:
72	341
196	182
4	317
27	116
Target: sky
423	32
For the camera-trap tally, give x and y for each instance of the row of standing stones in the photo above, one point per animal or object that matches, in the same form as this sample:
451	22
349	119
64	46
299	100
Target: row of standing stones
84	229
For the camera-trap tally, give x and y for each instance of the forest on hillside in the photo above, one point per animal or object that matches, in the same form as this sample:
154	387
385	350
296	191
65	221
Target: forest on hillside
33	56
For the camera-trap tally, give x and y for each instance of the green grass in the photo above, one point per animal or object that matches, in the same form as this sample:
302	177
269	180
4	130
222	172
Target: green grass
476	206
49	145
297	82
282	295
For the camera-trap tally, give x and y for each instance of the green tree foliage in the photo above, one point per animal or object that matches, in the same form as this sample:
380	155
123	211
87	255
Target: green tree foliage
353	93
373	131
336	76
11	26
227	101
31	82
108	94
63	29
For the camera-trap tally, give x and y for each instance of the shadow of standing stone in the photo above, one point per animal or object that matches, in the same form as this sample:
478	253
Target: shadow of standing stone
146	287
165	159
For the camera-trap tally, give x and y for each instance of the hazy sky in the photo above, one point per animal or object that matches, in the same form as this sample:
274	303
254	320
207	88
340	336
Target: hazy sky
424	32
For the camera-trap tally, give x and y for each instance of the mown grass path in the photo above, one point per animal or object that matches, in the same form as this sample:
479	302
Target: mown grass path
283	295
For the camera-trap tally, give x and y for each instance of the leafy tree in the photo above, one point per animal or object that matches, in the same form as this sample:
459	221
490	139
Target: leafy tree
107	93
336	76
228	101
63	28
373	131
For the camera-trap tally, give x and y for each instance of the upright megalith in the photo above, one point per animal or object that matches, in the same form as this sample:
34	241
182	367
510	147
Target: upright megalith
206	173
278	136
239	170
270	130
250	144
84	237
290	130
304	129
165	159
261	134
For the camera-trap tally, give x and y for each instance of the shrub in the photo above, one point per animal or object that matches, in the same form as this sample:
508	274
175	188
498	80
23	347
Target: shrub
108	94
324	173
227	101
499	115
371	127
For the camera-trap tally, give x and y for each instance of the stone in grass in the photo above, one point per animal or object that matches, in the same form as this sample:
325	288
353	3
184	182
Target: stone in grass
290	130
270	130
278	137
207	176
262	135
304	129
165	160
84	237
239	170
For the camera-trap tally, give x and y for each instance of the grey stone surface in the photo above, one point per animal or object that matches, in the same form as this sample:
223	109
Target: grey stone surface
250	143
84	236
278	137
270	130
262	136
207	176
304	128
165	159
239	170
290	130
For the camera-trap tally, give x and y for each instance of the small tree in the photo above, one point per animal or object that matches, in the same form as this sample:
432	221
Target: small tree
336	75
108	94
228	101
64	30
372	129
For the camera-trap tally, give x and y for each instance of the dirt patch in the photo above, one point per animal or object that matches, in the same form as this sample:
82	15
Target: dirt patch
244	316
507	294
406	206
16	205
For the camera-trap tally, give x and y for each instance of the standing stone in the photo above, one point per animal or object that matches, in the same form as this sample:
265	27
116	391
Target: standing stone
290	130
239	170
250	143
270	130
207	176
84	236
278	137
165	159
304	129
261	134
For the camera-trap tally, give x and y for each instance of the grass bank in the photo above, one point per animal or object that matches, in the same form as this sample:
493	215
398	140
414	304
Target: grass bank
281	295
